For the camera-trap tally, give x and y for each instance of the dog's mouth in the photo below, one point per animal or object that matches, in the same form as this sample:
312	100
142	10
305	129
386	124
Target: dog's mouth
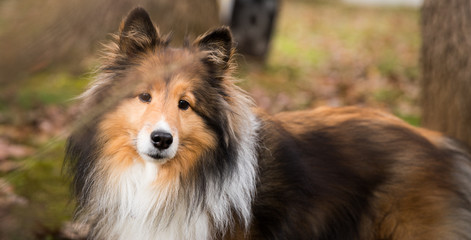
157	156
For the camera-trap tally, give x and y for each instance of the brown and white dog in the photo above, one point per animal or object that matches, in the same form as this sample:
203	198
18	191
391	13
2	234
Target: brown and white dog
169	148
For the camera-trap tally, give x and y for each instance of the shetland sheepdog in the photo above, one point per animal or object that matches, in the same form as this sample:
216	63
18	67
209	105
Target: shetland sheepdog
168	147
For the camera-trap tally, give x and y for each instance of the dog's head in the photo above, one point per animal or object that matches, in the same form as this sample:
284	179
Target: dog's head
165	105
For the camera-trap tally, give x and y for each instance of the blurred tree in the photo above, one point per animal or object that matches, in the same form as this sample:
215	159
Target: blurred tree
252	24
35	35
446	67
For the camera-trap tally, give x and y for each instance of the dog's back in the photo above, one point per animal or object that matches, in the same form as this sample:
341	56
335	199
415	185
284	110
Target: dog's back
352	173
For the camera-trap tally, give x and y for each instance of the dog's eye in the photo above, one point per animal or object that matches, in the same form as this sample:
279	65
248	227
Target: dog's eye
183	105
145	97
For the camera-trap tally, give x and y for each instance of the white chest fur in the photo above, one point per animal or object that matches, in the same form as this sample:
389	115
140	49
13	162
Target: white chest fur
143	209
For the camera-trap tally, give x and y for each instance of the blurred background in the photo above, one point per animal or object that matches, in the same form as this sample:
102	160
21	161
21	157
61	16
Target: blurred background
408	57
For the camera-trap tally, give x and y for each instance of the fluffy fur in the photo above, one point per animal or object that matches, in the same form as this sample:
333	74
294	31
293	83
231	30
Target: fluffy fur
234	172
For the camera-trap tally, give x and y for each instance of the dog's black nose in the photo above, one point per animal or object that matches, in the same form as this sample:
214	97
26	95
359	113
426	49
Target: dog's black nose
161	140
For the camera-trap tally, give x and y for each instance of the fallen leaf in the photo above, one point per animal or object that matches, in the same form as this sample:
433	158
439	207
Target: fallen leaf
8	150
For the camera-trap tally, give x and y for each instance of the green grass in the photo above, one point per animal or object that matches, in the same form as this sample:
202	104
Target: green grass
42	183
49	88
40	180
413	120
21	104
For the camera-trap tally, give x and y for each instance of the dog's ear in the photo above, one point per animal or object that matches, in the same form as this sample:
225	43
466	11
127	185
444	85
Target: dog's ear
137	33
219	48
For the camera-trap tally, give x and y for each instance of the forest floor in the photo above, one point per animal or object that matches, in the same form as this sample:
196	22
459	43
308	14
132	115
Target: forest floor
321	54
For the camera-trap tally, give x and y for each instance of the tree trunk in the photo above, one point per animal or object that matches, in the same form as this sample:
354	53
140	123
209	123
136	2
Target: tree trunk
446	67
